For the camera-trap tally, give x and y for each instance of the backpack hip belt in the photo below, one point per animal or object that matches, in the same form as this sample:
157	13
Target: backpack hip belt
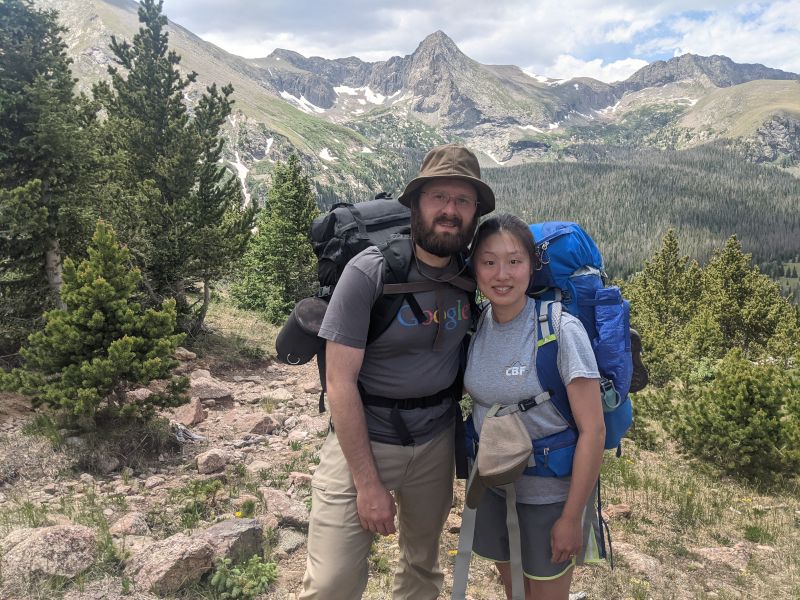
399	404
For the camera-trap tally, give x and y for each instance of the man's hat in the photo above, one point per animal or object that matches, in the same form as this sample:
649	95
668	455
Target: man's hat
456	162
503	453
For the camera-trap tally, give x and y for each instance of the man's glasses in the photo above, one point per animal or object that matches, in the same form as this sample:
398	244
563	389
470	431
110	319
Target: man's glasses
439	200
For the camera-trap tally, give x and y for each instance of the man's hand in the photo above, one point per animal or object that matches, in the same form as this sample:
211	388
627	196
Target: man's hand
566	539
376	509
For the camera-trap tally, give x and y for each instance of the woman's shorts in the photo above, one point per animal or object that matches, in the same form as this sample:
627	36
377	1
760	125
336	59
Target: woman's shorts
535	523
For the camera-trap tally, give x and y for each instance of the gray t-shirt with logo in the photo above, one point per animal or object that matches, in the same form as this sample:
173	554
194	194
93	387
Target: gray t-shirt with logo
501	369
401	363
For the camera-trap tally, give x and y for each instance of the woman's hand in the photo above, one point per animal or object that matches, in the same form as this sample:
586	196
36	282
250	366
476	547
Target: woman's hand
566	538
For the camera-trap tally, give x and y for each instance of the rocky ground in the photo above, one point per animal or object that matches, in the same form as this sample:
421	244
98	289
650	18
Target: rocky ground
241	486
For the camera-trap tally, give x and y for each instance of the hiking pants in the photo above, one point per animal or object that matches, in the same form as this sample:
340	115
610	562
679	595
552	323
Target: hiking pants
421	478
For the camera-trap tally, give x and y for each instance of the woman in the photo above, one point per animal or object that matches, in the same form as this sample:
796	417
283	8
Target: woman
501	369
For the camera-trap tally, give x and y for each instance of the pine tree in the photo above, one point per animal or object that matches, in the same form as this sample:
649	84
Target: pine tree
279	267
182	214
746	305
46	167
664	298
102	343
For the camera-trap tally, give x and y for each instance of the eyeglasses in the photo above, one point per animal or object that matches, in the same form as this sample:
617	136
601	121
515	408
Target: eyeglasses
439	200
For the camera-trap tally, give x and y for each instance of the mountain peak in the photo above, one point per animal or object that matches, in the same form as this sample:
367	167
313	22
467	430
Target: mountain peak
438	40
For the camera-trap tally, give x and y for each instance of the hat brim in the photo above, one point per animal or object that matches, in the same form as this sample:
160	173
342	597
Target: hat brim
486	200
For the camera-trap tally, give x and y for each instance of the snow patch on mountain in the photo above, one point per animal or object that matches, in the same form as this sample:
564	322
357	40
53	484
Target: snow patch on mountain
325	154
366	92
302	103
241	172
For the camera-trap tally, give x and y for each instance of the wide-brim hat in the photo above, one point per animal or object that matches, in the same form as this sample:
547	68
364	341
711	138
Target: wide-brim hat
455	162
298	340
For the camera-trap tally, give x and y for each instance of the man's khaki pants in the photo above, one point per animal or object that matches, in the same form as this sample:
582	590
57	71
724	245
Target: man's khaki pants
421	478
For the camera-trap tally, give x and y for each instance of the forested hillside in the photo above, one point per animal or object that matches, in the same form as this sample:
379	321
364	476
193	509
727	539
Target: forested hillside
627	200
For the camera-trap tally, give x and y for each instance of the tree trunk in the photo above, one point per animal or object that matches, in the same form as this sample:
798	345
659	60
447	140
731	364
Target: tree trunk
52	267
197	326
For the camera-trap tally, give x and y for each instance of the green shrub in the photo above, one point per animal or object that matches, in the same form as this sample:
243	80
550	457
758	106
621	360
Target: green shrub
102	343
245	581
745	419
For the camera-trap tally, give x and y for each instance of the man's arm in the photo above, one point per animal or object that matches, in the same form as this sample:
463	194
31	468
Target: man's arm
376	506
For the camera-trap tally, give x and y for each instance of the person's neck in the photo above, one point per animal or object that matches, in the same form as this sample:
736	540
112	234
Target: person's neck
506	314
432	260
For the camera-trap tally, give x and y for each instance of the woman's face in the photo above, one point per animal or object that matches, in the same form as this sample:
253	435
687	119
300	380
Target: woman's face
503	271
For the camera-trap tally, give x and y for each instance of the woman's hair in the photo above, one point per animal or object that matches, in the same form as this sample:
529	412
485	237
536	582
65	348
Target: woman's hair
511	224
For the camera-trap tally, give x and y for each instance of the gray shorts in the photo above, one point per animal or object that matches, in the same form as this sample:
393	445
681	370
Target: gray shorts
535	523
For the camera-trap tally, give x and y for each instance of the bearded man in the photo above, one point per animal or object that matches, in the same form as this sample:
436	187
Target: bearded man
394	401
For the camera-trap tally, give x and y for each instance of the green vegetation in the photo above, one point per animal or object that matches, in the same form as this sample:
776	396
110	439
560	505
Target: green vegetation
245	581
724	346
102	342
48	192
627	200
178	209
279	267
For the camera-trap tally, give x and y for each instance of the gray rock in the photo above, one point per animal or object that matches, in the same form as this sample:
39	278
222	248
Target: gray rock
182	353
257	423
190	413
154	481
171	564
212	461
237	539
290	540
131	524
278	395
57	551
287	510
138	395
108	463
208	388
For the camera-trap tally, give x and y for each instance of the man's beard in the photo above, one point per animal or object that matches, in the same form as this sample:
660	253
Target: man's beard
442	244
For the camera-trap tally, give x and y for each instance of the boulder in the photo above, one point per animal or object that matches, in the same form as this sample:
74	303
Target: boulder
278	395
212	461
254	468
190	413
138	395
131	524
237	539
257	423
287	510
57	551
182	353
290	540
171	564
206	387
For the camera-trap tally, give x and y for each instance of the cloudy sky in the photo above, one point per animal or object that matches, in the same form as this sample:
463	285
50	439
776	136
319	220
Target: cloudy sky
604	39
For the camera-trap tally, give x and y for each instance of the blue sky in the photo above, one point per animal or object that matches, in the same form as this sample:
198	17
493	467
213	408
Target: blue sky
605	39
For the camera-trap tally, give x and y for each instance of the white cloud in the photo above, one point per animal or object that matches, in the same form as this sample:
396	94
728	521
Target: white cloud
566	66
601	38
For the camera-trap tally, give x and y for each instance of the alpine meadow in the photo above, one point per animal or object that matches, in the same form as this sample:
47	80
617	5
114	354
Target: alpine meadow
157	194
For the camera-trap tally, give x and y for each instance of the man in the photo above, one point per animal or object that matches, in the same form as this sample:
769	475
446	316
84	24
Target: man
393	403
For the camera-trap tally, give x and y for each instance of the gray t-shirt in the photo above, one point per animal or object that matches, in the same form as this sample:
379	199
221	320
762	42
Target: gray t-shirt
501	369
400	363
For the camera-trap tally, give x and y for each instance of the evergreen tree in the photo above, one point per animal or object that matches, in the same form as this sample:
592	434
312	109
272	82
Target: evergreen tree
279	267
45	166
745	304
664	297
183	213
102	343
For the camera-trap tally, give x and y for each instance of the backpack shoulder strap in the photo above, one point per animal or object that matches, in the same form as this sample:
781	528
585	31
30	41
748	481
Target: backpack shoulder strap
397	257
548	324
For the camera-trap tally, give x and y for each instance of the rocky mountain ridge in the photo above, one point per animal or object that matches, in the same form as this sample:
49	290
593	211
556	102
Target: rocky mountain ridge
359	125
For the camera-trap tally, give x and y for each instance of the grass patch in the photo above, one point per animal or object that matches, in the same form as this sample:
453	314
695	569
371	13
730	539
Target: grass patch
234	338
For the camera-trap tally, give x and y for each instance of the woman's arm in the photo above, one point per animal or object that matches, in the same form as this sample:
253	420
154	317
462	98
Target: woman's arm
566	537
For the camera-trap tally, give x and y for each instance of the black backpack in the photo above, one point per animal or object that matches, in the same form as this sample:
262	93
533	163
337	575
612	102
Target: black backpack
337	236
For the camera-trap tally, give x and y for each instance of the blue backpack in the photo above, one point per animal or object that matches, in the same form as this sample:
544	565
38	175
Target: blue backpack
573	273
